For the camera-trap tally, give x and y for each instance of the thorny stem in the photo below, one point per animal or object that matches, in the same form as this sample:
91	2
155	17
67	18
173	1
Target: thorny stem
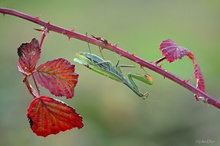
114	48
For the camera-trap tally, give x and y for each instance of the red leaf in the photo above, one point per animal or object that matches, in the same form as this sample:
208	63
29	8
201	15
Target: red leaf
49	116
200	84
198	75
58	77
172	51
29	54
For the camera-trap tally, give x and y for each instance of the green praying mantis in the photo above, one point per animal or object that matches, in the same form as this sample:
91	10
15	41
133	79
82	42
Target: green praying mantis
106	68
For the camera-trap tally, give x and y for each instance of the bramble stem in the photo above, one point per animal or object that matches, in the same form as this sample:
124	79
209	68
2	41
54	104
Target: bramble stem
105	44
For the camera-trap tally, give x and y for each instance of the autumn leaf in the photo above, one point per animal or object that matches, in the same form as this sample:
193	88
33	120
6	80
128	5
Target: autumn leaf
58	77
173	51
29	54
49	116
200	84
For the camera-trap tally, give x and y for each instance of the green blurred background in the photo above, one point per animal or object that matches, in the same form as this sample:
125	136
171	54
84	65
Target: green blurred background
113	114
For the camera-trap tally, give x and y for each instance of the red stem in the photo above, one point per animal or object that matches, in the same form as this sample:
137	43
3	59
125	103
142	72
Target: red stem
30	88
35	83
44	33
159	60
114	48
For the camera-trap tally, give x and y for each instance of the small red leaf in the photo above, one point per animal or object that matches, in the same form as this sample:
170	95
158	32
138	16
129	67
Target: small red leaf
200	84
58	77
49	116
198	75
172	51
29	54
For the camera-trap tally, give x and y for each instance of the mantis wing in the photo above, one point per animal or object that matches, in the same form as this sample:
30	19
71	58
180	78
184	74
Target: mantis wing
89	64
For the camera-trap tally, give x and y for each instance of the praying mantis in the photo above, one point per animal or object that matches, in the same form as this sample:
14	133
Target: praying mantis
106	68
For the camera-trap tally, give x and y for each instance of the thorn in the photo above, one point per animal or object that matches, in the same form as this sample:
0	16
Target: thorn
116	45
48	22
37	29
38	17
132	54
141	67
69	37
164	76
160	65
105	42
3	14
73	29
41	30
97	38
187	80
101	39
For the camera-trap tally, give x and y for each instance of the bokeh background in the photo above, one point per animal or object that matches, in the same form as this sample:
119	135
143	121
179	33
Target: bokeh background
113	114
